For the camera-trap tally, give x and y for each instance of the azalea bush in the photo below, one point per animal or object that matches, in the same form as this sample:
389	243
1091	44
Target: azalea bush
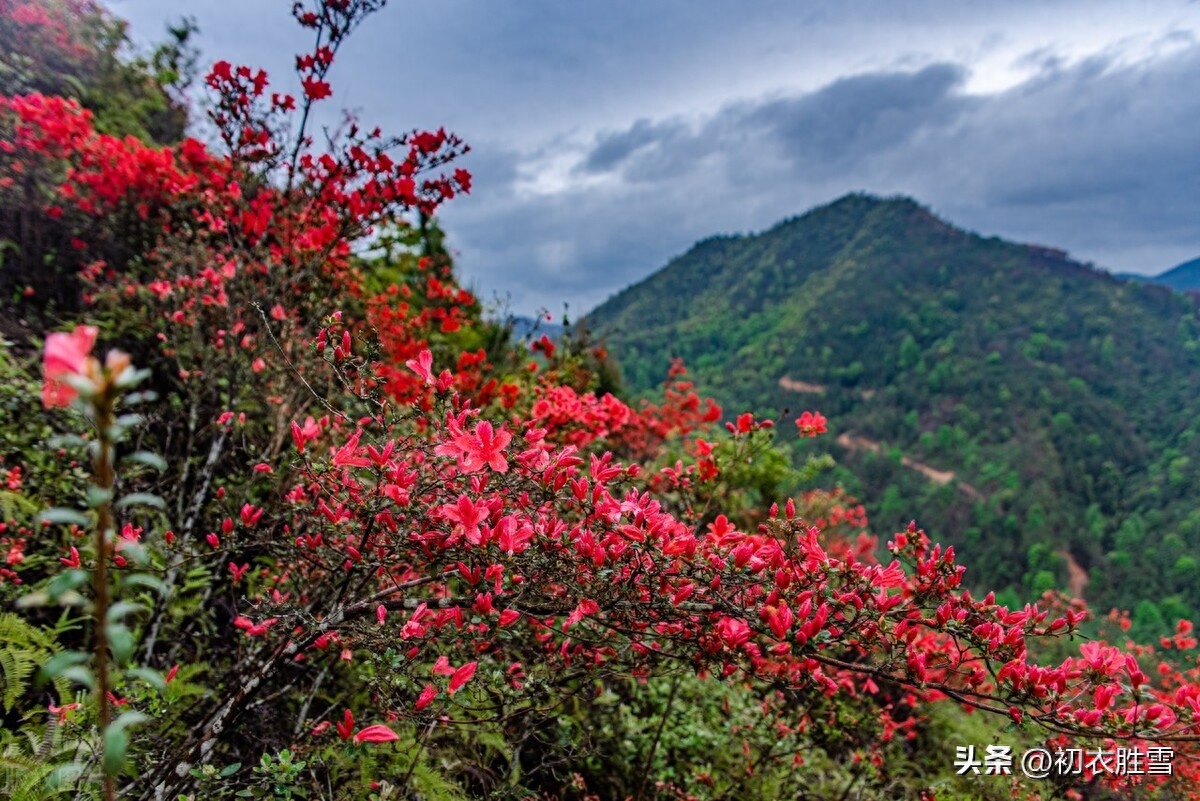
390	552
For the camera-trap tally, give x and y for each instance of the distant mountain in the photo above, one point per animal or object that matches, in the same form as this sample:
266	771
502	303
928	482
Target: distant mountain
1183	278
527	328
1041	414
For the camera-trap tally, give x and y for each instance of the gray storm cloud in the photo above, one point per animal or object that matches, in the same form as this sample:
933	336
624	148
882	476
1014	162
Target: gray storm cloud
1099	157
608	137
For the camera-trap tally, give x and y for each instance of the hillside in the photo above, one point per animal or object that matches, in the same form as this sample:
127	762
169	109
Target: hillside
1182	278
1037	411
281	510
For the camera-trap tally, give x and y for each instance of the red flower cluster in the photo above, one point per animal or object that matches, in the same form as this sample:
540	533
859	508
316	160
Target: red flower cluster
810	424
67	355
493	531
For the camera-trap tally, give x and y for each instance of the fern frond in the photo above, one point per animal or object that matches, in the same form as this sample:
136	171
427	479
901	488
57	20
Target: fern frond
25	648
27	778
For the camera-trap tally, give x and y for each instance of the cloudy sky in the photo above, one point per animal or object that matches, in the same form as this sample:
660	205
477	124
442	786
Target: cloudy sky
609	135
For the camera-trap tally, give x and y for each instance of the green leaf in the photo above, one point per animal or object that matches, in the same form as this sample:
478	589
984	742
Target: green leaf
130	420
80	675
149	459
120	609
81	384
130	378
147	580
134	398
116	743
61	516
130	718
65	776
229	770
33	599
150	676
65	582
116	740
135	552
121	642
72	598
141	499
97	496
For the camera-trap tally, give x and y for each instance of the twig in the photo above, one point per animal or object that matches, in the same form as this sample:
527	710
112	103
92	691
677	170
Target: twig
662	722
214	454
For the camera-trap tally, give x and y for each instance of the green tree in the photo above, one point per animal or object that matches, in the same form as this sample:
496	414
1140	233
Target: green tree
77	49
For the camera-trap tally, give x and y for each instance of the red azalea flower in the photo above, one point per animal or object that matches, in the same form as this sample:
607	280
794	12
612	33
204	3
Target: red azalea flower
346	726
376	734
810	424
462	676
426	697
315	89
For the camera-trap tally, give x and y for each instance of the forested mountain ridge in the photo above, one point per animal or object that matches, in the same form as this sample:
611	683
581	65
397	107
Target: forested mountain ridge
1039	411
1184	277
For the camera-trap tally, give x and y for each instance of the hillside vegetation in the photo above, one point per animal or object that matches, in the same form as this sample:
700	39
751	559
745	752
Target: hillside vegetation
1183	278
282	516
1036	410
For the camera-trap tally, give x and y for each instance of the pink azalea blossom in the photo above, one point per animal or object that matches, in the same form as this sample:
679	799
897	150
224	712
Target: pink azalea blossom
66	355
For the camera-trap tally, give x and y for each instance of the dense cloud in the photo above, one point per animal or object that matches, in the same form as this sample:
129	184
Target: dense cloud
609	137
1100	158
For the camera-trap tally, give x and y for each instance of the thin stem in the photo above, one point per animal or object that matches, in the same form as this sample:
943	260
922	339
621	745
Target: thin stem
662	722
421	741
306	107
103	471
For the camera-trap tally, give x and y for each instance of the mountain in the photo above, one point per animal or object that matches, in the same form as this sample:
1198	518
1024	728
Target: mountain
528	328
1040	414
1182	278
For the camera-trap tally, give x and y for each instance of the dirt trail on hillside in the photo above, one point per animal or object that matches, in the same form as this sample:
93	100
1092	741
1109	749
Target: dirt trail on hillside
1077	577
856	443
809	388
940	477
791	385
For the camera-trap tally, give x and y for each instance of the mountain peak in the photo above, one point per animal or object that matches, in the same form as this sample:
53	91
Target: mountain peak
886	214
860	205
1182	278
1040	392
